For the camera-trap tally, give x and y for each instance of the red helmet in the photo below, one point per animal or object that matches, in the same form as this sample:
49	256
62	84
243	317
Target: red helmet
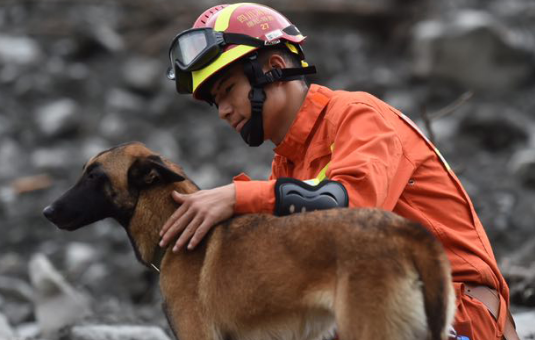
267	26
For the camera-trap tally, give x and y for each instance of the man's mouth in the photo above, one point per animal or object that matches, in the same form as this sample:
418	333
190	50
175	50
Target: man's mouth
239	124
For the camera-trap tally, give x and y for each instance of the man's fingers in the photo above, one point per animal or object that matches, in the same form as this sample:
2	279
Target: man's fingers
187	233
201	231
171	220
174	229
179	198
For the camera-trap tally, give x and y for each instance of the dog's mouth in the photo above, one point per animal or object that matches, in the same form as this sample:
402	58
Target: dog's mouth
52	215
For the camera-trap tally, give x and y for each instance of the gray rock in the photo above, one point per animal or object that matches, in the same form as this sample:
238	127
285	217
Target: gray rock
92	146
18	50
28	330
354	7
6	125
6	332
13	158
14	288
143	74
58	157
116	332
57	304
78	257
112	125
494	128
58	118
522	165
472	49
164	143
525	325
120	100
108	37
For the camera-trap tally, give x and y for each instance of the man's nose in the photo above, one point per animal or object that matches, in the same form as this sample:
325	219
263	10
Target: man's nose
224	111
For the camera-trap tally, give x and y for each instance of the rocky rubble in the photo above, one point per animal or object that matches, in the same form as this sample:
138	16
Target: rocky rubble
77	77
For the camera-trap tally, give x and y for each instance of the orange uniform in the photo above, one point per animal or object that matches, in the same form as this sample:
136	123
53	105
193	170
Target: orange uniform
384	161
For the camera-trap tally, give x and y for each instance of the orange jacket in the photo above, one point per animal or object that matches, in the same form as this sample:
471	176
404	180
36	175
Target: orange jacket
384	161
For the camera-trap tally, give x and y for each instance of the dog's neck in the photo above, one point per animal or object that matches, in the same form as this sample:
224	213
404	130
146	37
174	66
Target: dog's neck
153	208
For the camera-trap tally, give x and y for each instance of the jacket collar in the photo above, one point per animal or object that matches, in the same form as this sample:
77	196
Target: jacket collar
293	146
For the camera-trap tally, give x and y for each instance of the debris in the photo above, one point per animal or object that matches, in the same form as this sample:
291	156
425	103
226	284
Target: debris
31	183
57	304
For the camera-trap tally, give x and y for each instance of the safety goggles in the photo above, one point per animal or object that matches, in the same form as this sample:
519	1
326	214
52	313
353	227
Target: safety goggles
197	48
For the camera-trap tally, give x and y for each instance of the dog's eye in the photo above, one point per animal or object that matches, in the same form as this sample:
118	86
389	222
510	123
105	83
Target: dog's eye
93	175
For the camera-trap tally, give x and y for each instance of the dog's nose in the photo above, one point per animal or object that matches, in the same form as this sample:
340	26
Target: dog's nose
49	212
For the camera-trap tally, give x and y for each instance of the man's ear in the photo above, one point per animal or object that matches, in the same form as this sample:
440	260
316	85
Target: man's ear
148	171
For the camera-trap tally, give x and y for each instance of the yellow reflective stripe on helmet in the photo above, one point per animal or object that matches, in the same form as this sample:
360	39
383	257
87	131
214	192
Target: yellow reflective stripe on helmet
223	60
322	175
223	19
291	47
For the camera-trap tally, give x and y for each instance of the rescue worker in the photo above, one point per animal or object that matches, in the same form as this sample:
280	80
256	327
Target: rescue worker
332	148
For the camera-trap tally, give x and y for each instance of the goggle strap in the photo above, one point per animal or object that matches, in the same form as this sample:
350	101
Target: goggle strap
242	39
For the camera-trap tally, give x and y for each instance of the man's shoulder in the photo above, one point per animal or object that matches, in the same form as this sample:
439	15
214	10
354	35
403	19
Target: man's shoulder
344	98
344	102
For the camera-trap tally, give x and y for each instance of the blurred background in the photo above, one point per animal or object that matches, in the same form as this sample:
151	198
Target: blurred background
79	76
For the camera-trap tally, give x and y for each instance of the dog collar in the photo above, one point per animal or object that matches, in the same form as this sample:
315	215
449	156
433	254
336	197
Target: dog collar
157	258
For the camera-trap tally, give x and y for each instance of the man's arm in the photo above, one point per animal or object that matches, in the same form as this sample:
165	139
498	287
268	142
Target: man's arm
368	157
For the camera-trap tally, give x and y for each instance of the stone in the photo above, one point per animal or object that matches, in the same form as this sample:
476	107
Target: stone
522	165
19	50
121	100
472	49
494	128
78	257
54	158
143	74
116	332
112	125
27	330
17	299
57	304
93	146
15	288
6	332
165	144
13	158
525	326
58	118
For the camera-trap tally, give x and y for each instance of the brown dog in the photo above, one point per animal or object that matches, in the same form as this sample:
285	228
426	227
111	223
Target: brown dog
368	273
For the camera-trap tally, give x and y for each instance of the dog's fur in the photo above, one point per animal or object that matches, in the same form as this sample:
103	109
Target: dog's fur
368	273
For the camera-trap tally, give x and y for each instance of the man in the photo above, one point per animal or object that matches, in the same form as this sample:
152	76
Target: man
333	148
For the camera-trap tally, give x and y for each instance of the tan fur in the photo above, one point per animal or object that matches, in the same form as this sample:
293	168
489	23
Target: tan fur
261	277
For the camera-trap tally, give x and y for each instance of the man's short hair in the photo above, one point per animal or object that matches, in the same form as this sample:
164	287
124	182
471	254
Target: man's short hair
291	58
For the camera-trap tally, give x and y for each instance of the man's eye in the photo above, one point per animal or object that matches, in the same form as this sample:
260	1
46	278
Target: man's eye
228	89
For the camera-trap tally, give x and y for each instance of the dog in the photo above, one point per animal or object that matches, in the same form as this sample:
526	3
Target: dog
364	273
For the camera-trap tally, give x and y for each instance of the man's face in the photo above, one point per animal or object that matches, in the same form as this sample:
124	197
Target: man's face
231	95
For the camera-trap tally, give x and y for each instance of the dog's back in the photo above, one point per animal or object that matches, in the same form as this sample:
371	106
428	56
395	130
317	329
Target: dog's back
373	274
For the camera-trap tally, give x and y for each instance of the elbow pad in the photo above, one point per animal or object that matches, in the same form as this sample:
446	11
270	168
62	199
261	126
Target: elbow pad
292	195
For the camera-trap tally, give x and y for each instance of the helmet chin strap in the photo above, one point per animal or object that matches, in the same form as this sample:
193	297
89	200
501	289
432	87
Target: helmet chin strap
253	131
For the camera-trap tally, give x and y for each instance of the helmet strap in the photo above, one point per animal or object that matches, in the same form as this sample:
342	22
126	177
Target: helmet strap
253	131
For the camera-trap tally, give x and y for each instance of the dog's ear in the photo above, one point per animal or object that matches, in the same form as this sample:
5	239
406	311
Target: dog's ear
151	170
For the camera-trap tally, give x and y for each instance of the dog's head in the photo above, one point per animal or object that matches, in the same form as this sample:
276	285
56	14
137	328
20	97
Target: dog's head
110	186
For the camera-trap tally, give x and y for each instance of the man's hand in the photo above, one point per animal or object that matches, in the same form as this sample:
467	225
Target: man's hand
197	214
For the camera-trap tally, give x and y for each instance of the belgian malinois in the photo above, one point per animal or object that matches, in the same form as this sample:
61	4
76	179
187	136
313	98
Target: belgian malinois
367	273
